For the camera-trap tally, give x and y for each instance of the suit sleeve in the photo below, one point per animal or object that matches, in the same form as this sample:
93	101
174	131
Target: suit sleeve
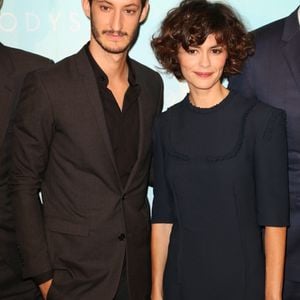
271	172
163	203
243	83
32	135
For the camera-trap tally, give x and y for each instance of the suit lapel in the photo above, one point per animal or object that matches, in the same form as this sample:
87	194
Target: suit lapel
144	100
291	49
89	82
141	139
6	90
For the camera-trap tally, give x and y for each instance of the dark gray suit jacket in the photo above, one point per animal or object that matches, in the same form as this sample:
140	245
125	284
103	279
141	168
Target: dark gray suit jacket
273	76
14	64
88	221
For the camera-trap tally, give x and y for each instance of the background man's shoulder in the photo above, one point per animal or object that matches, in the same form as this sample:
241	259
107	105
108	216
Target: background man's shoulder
24	61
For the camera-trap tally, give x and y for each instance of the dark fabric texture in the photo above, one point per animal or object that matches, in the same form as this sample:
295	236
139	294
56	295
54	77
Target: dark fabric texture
14	64
123	291
122	126
220	176
291	290
272	75
88	220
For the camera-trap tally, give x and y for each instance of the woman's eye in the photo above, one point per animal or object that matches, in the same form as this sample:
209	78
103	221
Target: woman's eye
216	50
191	51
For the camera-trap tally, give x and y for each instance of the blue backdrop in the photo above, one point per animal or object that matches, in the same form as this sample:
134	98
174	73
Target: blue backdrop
58	28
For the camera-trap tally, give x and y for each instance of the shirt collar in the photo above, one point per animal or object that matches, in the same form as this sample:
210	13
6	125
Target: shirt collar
100	73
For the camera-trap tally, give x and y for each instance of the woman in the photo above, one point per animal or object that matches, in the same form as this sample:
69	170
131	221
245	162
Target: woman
220	206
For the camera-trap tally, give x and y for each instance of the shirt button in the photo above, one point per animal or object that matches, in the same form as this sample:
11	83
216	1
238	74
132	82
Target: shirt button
121	237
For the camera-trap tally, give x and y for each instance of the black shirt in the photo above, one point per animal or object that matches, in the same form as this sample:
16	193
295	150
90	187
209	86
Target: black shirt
123	126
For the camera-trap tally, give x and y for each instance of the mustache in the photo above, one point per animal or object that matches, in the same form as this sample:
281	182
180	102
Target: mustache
114	32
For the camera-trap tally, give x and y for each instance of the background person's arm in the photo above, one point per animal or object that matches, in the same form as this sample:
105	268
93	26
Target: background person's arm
32	135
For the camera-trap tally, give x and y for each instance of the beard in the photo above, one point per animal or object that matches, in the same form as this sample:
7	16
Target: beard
110	49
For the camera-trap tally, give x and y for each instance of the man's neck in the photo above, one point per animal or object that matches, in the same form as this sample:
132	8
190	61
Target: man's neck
113	65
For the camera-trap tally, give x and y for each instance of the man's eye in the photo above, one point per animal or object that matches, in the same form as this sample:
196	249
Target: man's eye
104	8
130	11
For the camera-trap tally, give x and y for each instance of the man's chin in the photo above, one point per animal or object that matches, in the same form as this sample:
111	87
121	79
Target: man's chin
114	49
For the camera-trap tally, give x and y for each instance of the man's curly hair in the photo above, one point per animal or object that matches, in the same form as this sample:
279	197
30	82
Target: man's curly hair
189	24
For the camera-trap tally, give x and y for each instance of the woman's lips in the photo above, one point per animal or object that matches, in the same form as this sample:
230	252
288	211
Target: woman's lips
203	74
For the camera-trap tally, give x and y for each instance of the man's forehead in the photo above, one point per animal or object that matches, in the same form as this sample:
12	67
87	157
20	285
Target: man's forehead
121	2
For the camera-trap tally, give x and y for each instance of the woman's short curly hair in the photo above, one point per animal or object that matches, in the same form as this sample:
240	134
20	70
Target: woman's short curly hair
190	23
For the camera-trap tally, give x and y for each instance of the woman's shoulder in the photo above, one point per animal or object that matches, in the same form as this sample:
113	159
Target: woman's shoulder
171	111
260	117
265	118
264	112
259	109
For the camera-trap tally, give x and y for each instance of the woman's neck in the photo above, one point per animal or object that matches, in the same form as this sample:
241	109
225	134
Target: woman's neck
208	98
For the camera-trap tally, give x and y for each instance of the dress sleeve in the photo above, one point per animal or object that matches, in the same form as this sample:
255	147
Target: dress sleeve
163	204
271	172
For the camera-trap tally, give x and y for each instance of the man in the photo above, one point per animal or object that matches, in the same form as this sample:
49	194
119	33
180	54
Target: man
82	136
273	76
14	64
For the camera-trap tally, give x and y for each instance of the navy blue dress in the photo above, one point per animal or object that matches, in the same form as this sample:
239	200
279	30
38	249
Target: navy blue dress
220	177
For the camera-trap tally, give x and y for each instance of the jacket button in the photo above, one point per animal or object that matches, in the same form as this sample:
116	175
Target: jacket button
124	197
121	237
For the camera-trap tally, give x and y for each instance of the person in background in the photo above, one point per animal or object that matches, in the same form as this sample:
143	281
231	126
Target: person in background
272	75
82	137
14	64
220	206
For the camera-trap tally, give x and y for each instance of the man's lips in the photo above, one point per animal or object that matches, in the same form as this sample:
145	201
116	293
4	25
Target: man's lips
114	34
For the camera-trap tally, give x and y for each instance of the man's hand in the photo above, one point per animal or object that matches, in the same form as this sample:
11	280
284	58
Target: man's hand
44	287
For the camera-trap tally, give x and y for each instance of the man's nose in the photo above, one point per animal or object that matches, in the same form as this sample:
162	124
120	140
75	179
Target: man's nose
116	22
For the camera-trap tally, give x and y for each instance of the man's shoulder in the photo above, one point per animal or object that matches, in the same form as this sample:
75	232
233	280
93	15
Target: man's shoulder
60	72
26	61
143	70
269	31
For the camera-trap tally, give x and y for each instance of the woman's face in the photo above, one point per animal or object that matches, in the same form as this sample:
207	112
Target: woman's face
202	66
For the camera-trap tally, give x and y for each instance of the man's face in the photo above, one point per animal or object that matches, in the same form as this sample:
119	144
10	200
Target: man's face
114	23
